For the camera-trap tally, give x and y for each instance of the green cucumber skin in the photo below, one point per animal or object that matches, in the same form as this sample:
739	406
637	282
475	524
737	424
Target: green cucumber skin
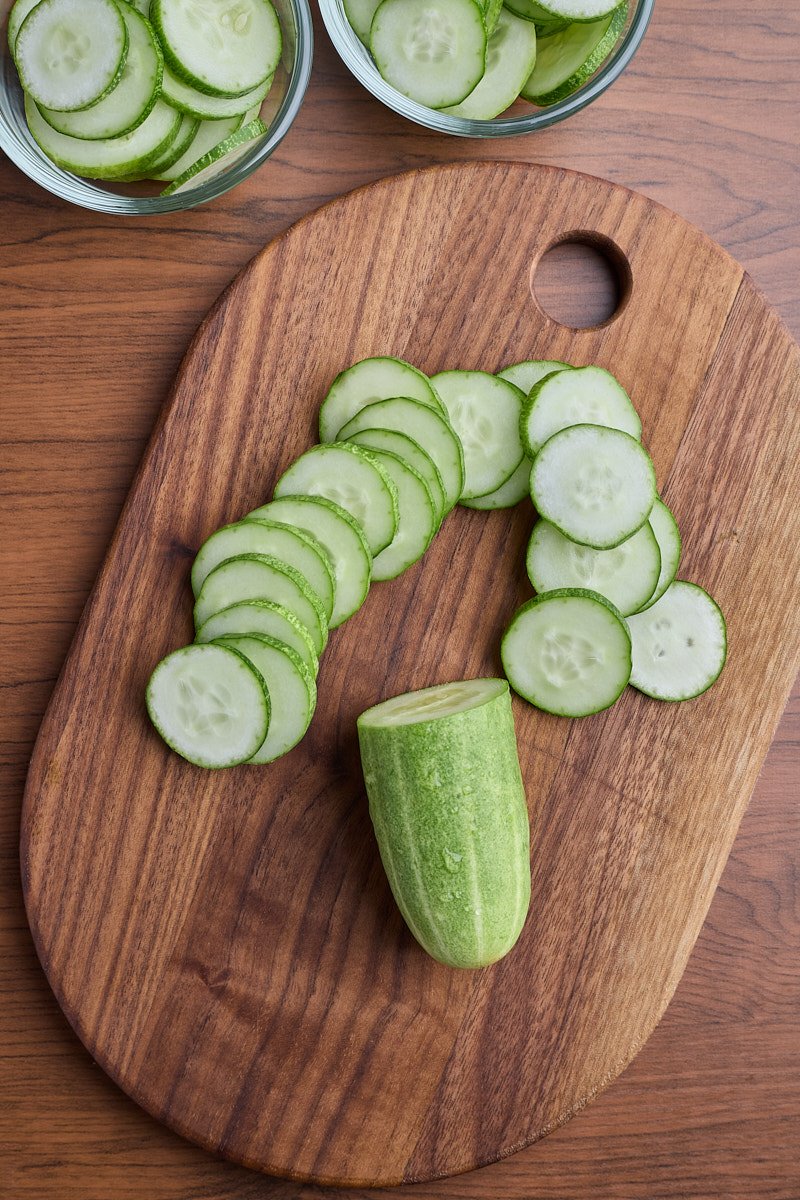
446	788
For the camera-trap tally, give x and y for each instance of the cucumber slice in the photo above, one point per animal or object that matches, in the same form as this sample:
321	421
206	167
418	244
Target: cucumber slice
353	479
262	616
626	575
141	6
427	427
341	536
567	58
210	108
485	413
111	158
210	705
299	549
70	53
577	10
510	58
15	18
491	15
568	652
447	802
433	51
596	485
183	136
525	374
132	99
367	381
289	682
262	577
208	136
416	517
412	453
668	536
528	10
212	162
582	396
679	644
219	49
359	14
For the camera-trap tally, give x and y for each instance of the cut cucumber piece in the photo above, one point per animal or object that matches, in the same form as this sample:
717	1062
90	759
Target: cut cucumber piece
299	549
416	517
491	15
262	577
70	53
582	396
412	453
183	136
428	427
359	14
367	381
626	575
485	413
15	18
596	485
341	536
208	135
433	51
667	534
447	802
568	57
354	480
289	683
525	374
510	58
576	10
210	108
530	11
262	616
511	492
132	99
212	163
111	158
679	645
210	705
568	652
222	50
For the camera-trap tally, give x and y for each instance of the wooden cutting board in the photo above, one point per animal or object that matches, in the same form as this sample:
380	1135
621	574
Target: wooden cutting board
225	944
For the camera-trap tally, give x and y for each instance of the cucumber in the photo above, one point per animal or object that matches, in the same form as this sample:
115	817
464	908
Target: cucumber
15	18
132	99
340	535
262	616
354	480
568	57
412	453
289	683
212	162
448	806
416	517
485	413
626	575
582	396
510	58
568	652
429	428
433	51
294	546
596	485
667	534
218	49
365	382
492	10
679	644
208	135
109	158
210	108
210	705
70	53
183	136
525	374
530	11
262	577
359	14
576	10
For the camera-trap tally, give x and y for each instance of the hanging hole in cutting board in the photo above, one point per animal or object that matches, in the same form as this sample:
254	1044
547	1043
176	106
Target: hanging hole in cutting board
582	281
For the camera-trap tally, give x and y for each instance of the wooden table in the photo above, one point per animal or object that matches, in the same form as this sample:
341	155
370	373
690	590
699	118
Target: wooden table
96	314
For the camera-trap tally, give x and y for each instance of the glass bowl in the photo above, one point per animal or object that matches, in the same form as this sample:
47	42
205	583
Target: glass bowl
278	111
522	117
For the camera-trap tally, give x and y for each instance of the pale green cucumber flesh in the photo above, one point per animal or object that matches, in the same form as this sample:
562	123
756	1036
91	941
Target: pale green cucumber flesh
433	51
626	575
289	683
448	806
513	491
581	396
416	518
530	371
485	414
369	380
210	164
210	108
216	49
207	135
264	617
679	645
668	536
15	18
359	14
567	58
575	10
70	53
510	59
412	453
109	158
568	652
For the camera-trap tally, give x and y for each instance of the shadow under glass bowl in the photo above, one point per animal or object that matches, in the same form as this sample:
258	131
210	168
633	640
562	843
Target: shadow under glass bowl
522	118
278	112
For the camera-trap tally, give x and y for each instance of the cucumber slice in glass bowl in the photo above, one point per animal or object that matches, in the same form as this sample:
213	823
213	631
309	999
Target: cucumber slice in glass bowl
219	49
71	53
433	51
568	57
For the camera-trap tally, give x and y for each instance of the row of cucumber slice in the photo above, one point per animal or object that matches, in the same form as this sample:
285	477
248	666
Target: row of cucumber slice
475	58
147	89
397	452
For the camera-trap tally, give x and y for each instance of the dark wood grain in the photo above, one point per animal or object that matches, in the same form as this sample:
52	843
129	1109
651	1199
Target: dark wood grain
96	316
224	942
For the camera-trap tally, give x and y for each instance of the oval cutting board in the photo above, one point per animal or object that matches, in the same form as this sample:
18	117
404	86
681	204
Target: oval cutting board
225	943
